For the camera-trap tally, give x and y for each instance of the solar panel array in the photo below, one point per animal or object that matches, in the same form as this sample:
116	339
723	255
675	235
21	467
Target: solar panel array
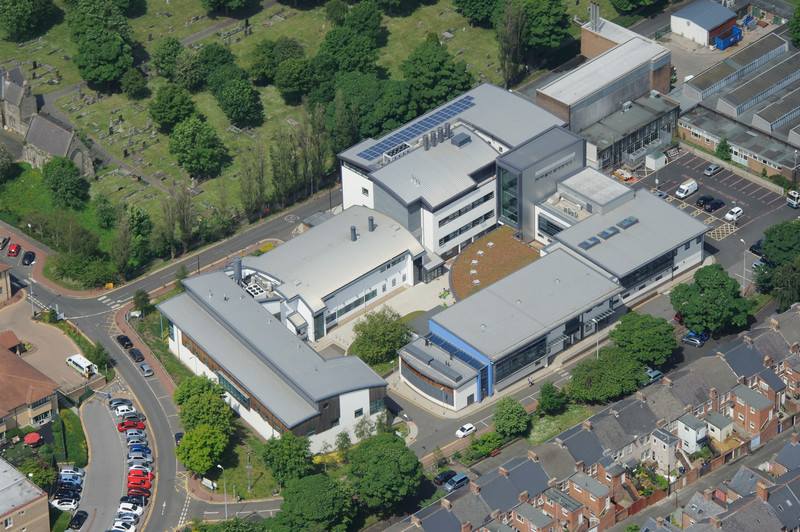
418	128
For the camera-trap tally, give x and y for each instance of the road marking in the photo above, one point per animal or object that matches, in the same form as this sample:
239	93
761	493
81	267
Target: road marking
184	511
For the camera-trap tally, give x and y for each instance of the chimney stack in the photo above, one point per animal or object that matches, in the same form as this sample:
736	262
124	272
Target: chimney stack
503	471
795	348
523	497
715	522
667	382
794	438
533	456
578	466
371	221
415	521
761	491
559	442
474	488
740	379
721	355
495	514
640	396
466	526
707	494
446	504
552	482
587	424
353	236
767	361
747	339
660	521
661	423
773	324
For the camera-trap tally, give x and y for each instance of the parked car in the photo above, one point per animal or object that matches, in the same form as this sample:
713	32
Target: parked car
71	486
13	250
713	205
734	214
135	433
127	517
65	505
702	200
124	341
178	438
146	463
145	370
140	492
134	500
140	448
141	467
66	477
129	507
755	249
130	425
140	474
465	431
653	374
138	483
67	494
712	169
135	355
28	258
660	194
139	456
456	482
72	470
130	442
114	403
124	409
3	241
77	520
695	339
122	526
443	477
134	416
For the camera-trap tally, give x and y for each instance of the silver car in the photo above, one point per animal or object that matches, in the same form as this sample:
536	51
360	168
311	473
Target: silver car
136	441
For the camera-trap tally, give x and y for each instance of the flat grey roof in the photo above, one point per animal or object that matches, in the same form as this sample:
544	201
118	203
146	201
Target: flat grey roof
706	14
438	175
323	259
758	84
717	420
271	363
751	397
526	304
691	421
595	186
612	32
589	484
604	69
433	360
659	228
782	107
618	124
15	489
499	113
541	146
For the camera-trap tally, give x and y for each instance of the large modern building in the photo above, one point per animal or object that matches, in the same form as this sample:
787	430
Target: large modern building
436	175
273	380
27	396
23	505
333	270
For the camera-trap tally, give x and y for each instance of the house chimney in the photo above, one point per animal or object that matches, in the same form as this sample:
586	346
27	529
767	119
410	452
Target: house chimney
715	522
503	471
578	466
767	361
371	221
559	442
533	456
747	339
495	514
795	347
474	488
640	396
523	497
721	355
415	521
667	382
466	526
661	423
446	504
794	438
660	521
353	236
761	491
587	424
613	413
707	494
740	379
713	393
552	482
773	324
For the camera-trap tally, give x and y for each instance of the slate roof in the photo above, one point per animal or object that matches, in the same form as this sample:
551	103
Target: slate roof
789	455
666	437
772	380
716	373
690	386
751	397
563	499
20	383
706	14
502	493
698	508
663	402
651	526
535	516
784	502
636	417
718	420
794	361
691	421
469	507
789	324
743	358
609	431
49	137
745	480
589	484
770	343
12	83
583	445
611	467
749	513
556	460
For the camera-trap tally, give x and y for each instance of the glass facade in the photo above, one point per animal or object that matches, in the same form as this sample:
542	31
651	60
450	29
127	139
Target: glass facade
548	227
515	362
648	270
509	195
231	388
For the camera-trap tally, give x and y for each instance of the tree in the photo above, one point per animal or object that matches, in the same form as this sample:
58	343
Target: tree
336	12
283	157
253	182
214	56
98	355
185	216
288	457
227	5
552	401
6	163
794	28
38	471
614	374
649	340
781	244
207	409
172	104
198	148
62	180
510	418
268	55
434	77
180	274
196	385
294	79
103	56
361	92
241	103
352	51
342	123
392	110
512	34
723	150
165	55
20	18
365	19
141	301
363	428
343	444
122	247
201	448
87	16
786	282
133	84
712	303
105	212
384	472
189	72
379	334
547	25
315	502
480	12
167	229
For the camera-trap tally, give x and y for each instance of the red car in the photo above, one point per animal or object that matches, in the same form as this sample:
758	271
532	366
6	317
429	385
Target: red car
141	492
13	250
130	424
138	473
138	483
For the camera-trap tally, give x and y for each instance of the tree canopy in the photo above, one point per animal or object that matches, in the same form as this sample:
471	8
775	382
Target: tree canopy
86	16
294	79
481	12
613	374
201	448
379	334
712	303
384	472
288	457
268	55
510	418
723	150
352	51
336	11
365	19
62	180
434	77
206	409
512	35
241	103
647	339
552	401
133	84
198	148
195	385
547	25
103	56
315	502
165	55
171	105
19	19
6	163
794	28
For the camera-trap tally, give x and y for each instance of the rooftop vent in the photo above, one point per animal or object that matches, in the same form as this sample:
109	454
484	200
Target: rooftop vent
608	233
353	235
371	220
447	130
655	94
589	243
460	140
627	106
396	152
628	222
434	139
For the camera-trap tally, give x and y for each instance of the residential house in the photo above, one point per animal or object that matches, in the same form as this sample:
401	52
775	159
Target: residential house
700	507
527	518
613	475
692	432
749	409
750	513
743	484
788	457
595	498
792	375
565	510
46	139
664	404
23	505
556	460
659	524
663	446
720	428
27	396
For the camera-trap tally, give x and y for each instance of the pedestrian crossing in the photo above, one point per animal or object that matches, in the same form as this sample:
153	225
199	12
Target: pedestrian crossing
113	303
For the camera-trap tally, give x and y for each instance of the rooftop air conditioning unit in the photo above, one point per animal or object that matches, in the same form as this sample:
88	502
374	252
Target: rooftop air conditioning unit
627	106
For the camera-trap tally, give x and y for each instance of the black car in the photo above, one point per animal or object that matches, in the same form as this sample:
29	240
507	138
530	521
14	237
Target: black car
114	403
135	355
703	200
70	486
178	438
67	494
124	341
755	249
77	520
443	477
28	258
138	500
134	416
713	205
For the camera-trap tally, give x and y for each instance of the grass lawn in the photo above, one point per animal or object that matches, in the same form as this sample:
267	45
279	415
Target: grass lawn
76	440
505	256
59	521
235	463
150	332
547	427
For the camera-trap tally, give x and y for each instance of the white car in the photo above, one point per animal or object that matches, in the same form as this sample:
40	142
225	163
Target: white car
72	470
65	505
734	214
127	517
465	431
130	508
142	465
123	526
121	410
136	441
135	433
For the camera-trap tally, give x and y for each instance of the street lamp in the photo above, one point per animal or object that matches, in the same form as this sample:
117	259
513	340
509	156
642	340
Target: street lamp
248	471
596	336
744	264
224	490
794	168
30	296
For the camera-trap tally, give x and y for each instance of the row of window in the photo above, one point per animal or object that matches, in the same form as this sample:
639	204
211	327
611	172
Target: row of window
39	403
463	229
395	262
464	210
557	166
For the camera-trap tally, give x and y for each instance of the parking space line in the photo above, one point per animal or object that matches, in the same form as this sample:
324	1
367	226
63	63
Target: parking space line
767	193
739	181
776	199
748	184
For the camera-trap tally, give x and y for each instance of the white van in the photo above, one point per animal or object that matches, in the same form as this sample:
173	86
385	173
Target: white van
687	187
